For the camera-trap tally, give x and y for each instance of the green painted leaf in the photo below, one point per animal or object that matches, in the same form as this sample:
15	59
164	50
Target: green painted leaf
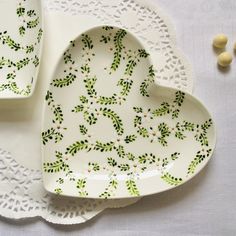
69	79
143	158
81	183
77	146
112	162
125	86
20	11
162	141
48	135
85	69
95	166
49	98
105	195
130	138
58	191
138	109
203	139
78	108
107	100
175	113
120	151
67	57
200	157
108	190
147	82
58	115
83	129
33	23
87	41
56	166
40	34
5	62
89	85
132	188
107	28
104	147
116	120
175	156
163	110
83	99
120	34
179	135
10	42
36	61
171	180
21	30
11	76
22	63
207	125
15	89
90	118
31	13
60	181
137	121
164	129
113	183
29	48
188	126
124	167
130	67
143	54
179	98
130	156
58	137
143	132
105	39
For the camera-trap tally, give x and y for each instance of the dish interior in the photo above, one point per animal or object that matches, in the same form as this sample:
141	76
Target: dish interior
111	132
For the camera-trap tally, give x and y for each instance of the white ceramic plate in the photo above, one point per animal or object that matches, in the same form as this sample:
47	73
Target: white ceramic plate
20	47
110	132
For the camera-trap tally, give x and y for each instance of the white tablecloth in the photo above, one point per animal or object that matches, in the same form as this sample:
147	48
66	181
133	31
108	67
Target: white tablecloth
207	204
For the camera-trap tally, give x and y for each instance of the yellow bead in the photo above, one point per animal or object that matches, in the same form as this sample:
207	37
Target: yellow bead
225	59
220	41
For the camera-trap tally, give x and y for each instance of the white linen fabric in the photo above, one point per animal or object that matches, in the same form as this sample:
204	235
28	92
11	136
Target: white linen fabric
205	205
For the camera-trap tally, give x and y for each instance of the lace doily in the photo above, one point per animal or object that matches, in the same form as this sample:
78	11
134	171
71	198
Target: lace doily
147	22
21	196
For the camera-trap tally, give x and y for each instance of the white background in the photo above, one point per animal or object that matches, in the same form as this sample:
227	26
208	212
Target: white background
207	204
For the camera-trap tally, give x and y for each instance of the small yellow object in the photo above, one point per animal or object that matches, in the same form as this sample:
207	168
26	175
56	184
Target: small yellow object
225	59
220	41
235	46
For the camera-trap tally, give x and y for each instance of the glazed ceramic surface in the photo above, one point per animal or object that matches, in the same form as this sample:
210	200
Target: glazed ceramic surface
20	47
110	132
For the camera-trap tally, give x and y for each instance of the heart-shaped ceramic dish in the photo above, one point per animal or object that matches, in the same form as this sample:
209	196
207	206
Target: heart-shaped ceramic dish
110	132
20	47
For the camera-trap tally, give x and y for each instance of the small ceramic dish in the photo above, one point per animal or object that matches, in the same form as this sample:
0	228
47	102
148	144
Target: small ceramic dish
20	47
110	132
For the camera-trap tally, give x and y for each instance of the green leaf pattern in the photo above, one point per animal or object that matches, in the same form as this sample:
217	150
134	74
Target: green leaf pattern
56	132
93	106
30	20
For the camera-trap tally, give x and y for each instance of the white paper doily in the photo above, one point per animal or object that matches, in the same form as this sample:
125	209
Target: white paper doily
147	21
21	191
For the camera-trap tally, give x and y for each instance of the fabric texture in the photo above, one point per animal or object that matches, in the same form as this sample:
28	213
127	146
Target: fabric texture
205	205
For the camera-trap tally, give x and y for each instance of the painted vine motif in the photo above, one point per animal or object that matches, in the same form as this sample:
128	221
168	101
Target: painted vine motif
162	131
56	132
92	106
28	19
